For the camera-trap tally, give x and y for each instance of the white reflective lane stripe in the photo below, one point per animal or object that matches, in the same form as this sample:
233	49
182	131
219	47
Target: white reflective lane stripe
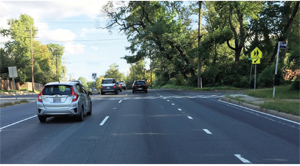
173	104
120	101
242	159
259	112
167	100
18	122
104	120
189	117
207	131
179	109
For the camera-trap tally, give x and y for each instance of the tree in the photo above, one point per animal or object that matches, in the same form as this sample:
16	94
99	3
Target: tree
113	72
83	81
98	83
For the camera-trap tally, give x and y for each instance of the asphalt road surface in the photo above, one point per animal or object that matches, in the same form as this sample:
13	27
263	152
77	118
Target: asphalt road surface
158	127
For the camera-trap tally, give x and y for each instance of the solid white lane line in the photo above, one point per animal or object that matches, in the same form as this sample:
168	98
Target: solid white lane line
207	131
173	104
189	117
120	101
179	109
18	122
259	112
104	120
242	159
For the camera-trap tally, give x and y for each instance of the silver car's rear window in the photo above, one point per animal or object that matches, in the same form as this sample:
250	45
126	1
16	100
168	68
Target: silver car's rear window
107	81
57	90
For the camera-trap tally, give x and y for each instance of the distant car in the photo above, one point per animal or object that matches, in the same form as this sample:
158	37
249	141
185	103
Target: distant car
139	85
119	86
109	85
64	99
123	85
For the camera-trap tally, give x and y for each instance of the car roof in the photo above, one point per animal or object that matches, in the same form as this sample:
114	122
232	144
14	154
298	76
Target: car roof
62	83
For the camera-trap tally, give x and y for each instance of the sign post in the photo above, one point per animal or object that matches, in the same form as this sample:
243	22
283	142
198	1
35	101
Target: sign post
13	73
94	76
256	54
281	45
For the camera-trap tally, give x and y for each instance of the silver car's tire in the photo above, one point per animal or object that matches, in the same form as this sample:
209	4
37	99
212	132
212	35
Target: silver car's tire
91	109
42	118
80	117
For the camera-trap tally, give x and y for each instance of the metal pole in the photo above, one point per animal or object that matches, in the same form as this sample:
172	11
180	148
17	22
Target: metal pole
14	83
255	78
199	39
276	67
32	74
250	73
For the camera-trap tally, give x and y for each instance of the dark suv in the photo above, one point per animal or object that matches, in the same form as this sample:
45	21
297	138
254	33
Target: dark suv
139	85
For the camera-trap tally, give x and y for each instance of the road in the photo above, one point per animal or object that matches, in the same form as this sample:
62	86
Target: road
158	127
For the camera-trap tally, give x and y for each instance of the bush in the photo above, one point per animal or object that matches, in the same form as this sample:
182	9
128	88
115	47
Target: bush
296	85
266	77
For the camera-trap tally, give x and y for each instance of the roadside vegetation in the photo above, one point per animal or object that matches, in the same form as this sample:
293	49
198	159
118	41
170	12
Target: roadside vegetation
6	104
281	92
286	100
220	88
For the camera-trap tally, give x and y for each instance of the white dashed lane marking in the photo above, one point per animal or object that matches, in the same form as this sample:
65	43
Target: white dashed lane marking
120	101
242	159
104	120
179	109
207	131
189	117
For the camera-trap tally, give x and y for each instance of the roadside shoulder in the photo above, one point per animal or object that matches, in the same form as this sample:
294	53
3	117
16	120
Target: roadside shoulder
261	109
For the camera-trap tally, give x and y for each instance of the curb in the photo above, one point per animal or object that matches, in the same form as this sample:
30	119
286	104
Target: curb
264	110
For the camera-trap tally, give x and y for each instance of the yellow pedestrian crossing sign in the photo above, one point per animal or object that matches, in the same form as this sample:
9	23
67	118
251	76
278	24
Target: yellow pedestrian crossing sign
256	53
255	61
148	81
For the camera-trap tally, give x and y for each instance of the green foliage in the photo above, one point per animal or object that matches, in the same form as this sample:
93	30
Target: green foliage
17	53
282	92
113	72
296	84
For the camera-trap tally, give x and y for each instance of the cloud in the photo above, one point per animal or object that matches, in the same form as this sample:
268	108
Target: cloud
95	48
72	49
61	35
54	9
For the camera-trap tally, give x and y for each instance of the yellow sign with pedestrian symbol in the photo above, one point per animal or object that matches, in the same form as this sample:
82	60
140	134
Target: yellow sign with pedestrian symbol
256	54
255	61
148	81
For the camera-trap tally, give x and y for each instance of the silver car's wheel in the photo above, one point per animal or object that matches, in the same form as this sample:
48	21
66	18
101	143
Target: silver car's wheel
42	118
90	112
80	117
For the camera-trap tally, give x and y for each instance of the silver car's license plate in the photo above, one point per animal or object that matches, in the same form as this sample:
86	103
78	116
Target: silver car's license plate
108	88
56	100
140	89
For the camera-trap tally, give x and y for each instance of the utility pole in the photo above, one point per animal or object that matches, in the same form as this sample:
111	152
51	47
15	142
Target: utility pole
199	39
32	72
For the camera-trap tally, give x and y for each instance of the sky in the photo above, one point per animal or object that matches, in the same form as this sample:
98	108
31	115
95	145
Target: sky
73	24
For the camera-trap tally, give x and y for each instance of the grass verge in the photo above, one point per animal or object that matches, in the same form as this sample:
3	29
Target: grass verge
6	104
170	86
283	106
281	92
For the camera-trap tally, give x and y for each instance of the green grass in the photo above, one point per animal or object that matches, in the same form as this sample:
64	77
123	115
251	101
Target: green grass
155	87
283	106
281	92
170	86
6	104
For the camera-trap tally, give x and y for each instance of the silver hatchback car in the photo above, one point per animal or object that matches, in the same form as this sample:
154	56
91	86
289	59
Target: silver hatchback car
64	99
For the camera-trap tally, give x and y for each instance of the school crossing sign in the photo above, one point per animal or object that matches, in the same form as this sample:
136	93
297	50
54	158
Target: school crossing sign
256	55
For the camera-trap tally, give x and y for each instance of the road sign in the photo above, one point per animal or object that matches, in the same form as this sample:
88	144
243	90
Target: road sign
282	44
12	70
94	75
255	61
148	81
256	53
